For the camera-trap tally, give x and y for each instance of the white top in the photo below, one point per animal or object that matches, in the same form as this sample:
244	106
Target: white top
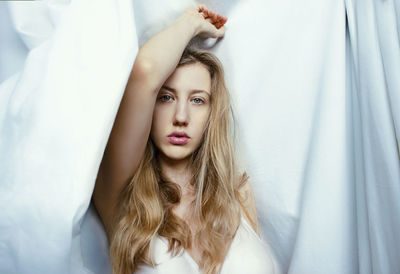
247	254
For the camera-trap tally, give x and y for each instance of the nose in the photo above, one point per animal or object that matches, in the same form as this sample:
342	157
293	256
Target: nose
181	117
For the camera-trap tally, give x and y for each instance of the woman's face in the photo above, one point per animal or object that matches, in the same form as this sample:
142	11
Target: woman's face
183	105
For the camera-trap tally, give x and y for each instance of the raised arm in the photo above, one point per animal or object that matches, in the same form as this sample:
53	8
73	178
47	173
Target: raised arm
155	61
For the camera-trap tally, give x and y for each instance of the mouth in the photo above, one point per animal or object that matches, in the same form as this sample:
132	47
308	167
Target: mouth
178	138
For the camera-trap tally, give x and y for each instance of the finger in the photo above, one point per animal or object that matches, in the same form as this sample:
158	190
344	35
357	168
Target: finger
219	19
216	33
218	22
203	11
212	15
201	7
208	11
220	32
215	18
223	20
219	25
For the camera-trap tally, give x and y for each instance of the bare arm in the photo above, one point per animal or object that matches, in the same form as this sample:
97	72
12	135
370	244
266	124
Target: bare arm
155	61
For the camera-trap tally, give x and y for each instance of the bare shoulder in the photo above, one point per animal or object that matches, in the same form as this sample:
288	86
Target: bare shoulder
248	207
248	203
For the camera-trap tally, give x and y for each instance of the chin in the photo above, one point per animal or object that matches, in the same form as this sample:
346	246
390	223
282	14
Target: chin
177	153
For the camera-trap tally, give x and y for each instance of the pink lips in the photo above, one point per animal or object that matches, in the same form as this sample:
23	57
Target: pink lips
178	138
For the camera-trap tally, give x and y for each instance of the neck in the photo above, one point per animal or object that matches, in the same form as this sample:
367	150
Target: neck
177	171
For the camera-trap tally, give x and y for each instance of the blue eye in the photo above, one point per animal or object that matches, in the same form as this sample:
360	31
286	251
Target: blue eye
165	98
198	101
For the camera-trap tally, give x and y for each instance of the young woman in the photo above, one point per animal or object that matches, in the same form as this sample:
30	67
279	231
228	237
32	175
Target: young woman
168	190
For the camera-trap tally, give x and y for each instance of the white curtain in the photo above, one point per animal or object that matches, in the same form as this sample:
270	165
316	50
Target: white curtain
316	92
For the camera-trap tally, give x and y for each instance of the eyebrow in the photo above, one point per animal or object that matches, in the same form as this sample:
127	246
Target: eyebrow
191	92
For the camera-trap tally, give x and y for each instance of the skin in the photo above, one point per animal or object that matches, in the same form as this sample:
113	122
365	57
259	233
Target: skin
143	113
183	104
131	129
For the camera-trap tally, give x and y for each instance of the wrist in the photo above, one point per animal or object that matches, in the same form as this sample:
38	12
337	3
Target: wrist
188	24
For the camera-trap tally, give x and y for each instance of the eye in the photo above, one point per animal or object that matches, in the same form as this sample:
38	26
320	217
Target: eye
198	101
165	98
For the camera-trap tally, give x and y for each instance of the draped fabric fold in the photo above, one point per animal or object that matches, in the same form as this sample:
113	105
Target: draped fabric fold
373	42
316	92
56	114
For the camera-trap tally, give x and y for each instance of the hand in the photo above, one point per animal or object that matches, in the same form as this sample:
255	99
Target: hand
207	22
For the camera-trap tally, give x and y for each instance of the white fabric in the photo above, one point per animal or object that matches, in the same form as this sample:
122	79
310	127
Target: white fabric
247	254
316	89
55	115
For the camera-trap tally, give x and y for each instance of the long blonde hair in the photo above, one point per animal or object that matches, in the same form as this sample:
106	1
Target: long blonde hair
145	205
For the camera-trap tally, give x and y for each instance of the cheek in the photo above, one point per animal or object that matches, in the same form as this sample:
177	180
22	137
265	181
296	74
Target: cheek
159	120
162	114
201	121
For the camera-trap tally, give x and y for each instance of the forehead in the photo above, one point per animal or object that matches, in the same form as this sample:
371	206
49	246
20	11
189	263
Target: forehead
190	77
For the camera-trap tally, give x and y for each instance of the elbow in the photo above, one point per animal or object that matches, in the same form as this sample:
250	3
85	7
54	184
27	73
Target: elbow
143	68
145	74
